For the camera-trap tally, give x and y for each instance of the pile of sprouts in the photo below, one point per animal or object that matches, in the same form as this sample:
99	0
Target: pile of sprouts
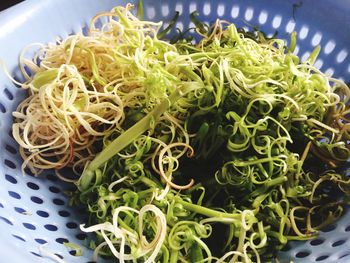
219	151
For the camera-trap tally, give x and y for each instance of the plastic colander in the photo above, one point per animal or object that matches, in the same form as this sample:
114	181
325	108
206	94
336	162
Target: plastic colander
35	211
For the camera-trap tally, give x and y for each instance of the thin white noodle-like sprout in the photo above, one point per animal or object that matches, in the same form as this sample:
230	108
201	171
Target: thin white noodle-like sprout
120	234
161	167
49	254
158	241
110	187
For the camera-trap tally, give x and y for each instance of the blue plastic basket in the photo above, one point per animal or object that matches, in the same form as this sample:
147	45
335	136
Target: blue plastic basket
35	211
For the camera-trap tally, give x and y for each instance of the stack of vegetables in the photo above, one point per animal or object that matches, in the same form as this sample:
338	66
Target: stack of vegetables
219	151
